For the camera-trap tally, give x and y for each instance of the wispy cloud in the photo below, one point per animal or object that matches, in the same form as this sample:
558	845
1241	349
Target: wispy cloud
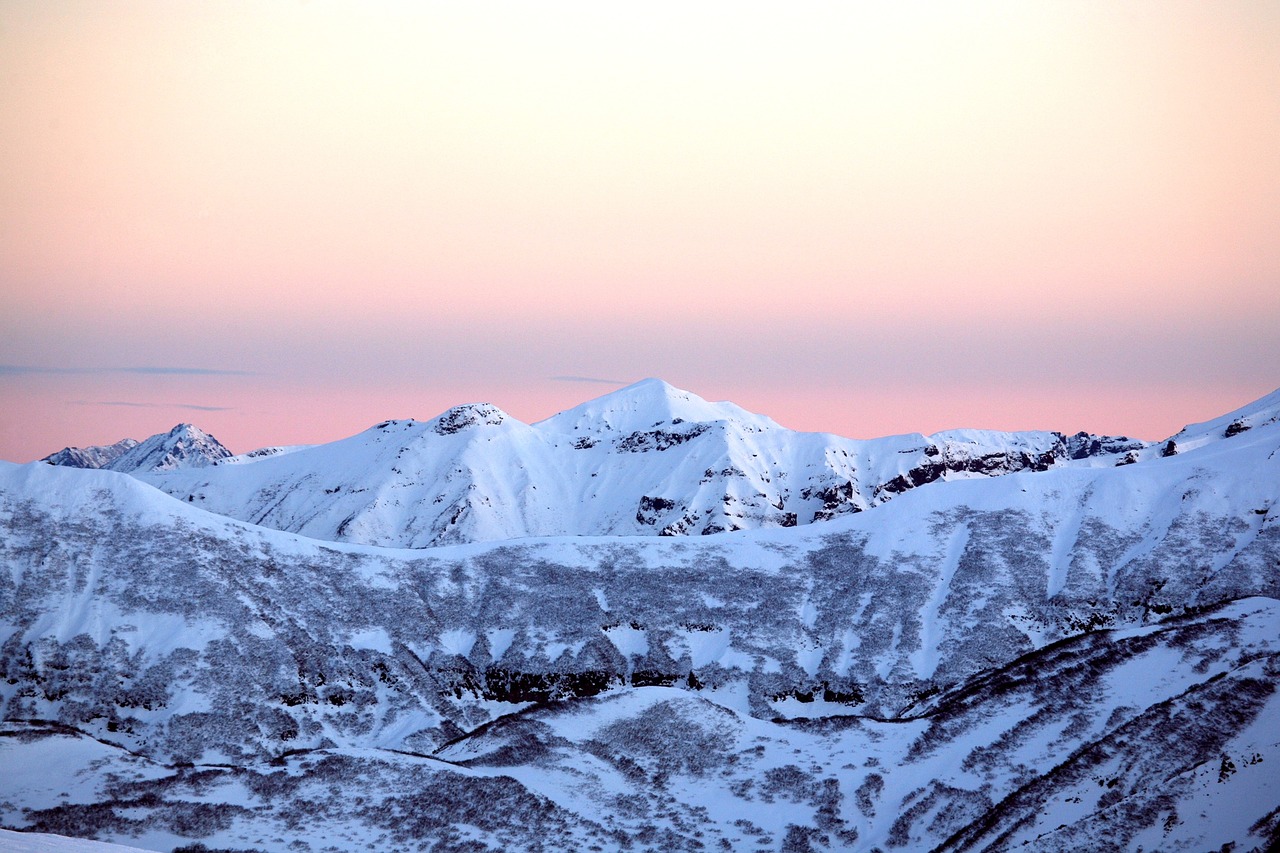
591	379
185	371
26	369
152	405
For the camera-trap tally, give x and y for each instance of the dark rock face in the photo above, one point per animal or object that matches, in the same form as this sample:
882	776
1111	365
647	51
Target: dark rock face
1170	449
1235	428
990	465
651	508
463	417
659	439
1128	459
1084	445
837	499
945	461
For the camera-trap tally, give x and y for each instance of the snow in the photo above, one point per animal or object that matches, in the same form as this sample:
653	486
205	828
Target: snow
957	607
702	647
499	641
631	642
457	641
39	842
648	459
376	639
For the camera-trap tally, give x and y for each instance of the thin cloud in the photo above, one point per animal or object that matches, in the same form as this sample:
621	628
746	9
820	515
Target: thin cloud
186	371
591	379
26	370
194	406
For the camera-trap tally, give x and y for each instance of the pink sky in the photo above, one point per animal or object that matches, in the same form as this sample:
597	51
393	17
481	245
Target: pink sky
857	218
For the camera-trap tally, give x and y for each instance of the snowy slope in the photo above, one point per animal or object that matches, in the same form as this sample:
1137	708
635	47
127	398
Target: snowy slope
648	459
40	842
13	842
90	457
1072	658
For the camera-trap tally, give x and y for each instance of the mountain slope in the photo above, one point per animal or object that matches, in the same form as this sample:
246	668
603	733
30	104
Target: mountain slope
184	446
932	587
90	457
1079	658
646	460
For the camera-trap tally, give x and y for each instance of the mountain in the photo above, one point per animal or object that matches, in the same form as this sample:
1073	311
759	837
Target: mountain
184	446
1084	657
90	457
646	460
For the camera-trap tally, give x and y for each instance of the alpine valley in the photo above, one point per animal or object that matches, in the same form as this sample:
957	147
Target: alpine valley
647	623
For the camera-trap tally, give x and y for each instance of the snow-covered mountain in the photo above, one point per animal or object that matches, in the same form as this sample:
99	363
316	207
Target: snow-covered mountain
184	446
98	456
648	459
1084	657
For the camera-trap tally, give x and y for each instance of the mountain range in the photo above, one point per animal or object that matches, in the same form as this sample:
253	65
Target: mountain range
999	641
648	459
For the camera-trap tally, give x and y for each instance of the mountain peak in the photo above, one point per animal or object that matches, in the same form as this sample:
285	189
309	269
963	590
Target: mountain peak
97	456
184	446
468	415
645	404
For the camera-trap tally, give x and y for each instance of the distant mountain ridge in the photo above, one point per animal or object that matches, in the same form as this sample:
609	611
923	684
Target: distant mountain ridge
184	446
99	456
646	460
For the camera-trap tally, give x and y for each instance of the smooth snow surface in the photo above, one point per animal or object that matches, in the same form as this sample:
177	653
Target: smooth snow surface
40	842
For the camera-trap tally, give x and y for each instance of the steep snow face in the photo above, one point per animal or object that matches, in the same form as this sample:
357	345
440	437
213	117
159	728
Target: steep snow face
90	457
648	459
184	446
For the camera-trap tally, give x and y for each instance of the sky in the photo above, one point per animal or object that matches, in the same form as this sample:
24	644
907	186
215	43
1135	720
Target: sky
287	221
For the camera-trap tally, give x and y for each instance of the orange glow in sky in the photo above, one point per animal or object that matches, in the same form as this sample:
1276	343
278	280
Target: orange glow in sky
853	217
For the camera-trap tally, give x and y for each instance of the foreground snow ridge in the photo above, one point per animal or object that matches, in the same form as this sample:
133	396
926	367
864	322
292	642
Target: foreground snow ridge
1080	654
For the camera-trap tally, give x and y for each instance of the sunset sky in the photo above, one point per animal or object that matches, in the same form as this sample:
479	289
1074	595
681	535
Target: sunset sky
285	222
